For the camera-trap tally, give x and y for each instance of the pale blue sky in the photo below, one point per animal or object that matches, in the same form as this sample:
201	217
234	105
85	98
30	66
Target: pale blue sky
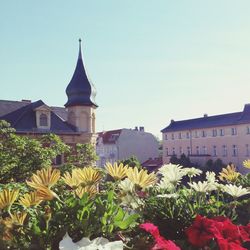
151	61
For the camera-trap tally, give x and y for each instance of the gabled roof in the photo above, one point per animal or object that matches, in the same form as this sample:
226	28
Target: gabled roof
211	121
7	106
110	137
80	90
23	118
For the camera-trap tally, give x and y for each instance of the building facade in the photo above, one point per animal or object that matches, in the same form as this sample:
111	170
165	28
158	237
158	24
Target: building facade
224	136
74	123
121	144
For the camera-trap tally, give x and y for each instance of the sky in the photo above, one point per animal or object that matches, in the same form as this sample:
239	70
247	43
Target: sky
150	61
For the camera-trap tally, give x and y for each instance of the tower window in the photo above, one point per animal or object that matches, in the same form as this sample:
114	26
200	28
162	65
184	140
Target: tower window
43	120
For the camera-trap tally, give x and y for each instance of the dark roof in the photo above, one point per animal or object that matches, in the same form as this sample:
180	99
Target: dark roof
152	164
80	90
60	111
23	118
111	136
211	121
10	106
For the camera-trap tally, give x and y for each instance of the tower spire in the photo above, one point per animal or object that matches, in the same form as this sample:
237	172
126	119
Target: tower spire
80	90
80	49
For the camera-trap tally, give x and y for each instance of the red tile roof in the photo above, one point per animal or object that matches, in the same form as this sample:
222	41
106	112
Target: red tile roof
110	136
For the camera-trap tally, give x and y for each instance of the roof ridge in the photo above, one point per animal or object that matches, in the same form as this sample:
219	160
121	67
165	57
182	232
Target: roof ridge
25	109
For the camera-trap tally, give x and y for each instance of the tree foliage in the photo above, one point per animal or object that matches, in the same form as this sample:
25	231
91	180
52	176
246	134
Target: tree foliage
20	156
131	162
84	156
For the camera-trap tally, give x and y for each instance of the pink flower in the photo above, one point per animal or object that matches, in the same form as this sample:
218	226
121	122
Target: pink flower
151	228
160	242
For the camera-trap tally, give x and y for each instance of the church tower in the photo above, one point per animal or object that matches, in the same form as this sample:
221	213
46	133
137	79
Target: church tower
81	100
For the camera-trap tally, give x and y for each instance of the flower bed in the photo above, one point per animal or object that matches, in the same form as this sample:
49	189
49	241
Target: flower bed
120	207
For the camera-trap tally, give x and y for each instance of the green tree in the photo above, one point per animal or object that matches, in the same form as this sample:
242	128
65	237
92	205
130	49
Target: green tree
131	162
20	156
84	156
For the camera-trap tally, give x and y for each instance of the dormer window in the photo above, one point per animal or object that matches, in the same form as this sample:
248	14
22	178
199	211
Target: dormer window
43	120
43	117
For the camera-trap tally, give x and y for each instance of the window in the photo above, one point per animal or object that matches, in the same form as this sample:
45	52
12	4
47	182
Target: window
234	131
172	136
179	136
58	160
173	151
181	151
188	151
214	151
247	150
187	135
248	130
224	150
167	154
197	150
235	151
43	120
196	134
222	132
204	134
204	150
166	136
214	132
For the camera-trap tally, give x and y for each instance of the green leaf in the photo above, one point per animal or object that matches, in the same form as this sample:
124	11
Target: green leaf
131	219
120	215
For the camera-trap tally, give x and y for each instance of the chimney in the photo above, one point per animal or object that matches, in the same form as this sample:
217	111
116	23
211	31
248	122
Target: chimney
205	115
141	129
172	121
136	128
24	100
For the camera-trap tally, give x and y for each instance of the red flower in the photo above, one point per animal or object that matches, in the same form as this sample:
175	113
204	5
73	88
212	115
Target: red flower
160	242
226	245
245	232
151	228
202	231
163	244
228	230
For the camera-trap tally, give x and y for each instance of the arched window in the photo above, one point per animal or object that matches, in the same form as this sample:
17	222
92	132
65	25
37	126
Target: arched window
43	119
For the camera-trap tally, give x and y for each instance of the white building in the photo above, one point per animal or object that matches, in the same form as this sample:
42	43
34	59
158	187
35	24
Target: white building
225	136
121	144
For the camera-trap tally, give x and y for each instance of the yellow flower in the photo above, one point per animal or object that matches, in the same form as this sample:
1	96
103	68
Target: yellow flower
72	180
7	198
141	178
7	223
45	177
88	175
118	172
91	190
246	163
18	218
30	199
229	174
46	194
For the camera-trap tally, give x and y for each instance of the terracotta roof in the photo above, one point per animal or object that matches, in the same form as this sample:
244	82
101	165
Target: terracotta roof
211	121
110	136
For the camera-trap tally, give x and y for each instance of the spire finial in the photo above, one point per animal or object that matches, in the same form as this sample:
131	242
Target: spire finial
80	53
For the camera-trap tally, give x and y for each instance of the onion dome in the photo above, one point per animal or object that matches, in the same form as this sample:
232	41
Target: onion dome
80	90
